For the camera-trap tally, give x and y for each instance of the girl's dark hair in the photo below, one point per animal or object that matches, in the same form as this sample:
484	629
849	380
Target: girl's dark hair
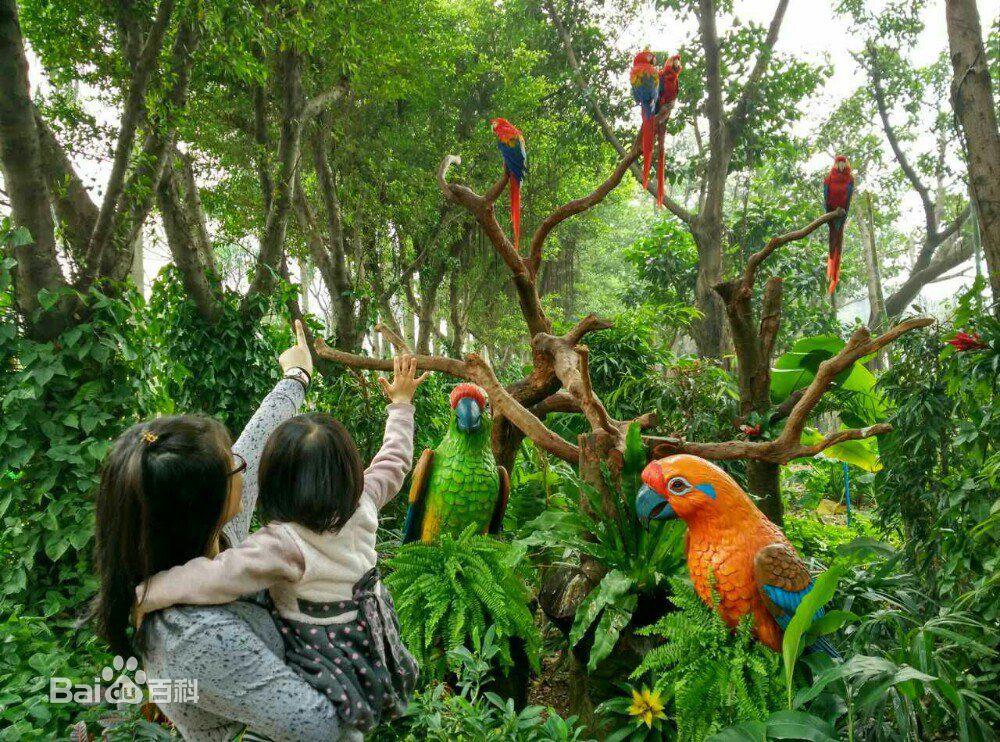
161	501
310	473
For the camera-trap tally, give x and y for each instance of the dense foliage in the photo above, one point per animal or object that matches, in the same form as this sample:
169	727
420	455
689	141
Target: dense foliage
282	159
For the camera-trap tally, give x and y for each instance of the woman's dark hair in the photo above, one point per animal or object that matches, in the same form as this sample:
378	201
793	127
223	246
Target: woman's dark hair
310	473
161	501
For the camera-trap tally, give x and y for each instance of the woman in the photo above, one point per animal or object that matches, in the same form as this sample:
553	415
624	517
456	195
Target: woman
173	489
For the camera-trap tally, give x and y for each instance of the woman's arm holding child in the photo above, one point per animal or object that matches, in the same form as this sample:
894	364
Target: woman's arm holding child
264	558
384	476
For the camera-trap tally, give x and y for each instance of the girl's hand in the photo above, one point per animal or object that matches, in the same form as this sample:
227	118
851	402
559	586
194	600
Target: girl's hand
298	356
404	379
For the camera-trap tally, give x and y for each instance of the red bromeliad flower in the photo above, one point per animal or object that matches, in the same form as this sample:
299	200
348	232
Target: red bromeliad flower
750	430
964	341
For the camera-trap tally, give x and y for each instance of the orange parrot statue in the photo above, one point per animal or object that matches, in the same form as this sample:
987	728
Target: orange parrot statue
754	567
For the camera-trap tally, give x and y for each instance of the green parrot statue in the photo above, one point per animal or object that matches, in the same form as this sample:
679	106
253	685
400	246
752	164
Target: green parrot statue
458	484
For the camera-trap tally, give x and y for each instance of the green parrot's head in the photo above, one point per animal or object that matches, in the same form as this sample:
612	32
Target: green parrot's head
468	403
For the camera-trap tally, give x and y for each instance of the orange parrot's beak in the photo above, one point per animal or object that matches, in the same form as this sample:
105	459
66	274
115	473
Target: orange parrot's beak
650	505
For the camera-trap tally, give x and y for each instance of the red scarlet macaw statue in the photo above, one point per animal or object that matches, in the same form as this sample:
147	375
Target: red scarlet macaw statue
667	95
645	80
754	567
510	141
838	187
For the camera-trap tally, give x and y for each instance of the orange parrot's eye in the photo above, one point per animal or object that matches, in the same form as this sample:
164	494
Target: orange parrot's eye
679	486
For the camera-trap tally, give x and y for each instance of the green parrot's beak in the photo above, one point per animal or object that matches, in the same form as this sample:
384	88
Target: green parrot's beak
468	415
652	506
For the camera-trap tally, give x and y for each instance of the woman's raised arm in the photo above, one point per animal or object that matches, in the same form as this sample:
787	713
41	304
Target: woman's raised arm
282	403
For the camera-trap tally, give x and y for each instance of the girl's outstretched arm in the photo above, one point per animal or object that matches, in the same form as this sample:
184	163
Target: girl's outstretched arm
384	476
263	559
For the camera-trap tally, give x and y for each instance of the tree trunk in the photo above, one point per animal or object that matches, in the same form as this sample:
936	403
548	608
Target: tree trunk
305	281
21	162
876	302
709	330
764	481
138	256
975	107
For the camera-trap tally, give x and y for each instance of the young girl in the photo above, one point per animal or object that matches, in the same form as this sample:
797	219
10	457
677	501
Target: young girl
316	556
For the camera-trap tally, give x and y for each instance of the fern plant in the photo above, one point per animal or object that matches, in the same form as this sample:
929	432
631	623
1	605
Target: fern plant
637	560
712	675
451	592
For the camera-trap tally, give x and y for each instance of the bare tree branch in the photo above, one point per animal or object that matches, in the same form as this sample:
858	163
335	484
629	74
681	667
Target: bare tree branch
755	260
474	369
593	198
788	445
394	338
322	99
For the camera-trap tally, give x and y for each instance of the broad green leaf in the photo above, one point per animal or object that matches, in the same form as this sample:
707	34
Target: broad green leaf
831	622
612	587
748	731
861	453
823	589
615	618
799	725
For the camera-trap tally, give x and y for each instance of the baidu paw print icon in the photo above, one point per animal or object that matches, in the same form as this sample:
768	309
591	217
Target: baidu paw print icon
123	688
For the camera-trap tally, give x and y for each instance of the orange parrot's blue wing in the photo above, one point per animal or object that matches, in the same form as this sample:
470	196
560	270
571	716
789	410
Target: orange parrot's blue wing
783	581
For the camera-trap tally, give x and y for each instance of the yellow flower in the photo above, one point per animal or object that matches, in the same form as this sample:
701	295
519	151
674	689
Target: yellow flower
646	706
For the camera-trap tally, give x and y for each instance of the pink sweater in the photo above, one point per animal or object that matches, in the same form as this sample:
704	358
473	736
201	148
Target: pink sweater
292	561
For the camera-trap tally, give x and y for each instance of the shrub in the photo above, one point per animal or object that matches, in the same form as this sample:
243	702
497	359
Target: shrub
439	713
711	676
450	593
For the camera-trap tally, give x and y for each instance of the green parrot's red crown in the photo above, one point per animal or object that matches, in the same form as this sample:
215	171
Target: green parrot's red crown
468	390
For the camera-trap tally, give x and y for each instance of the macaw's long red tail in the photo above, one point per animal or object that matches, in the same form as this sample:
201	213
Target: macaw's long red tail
833	259
515	210
647	148
662	133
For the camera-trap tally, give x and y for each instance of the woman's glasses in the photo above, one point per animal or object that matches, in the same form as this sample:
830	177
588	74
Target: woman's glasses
241	465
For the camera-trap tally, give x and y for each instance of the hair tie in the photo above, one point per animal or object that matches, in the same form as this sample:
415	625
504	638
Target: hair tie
150	438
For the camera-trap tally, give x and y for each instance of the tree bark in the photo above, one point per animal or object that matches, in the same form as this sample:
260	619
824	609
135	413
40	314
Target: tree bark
187	236
975	107
142	73
876	302
21	160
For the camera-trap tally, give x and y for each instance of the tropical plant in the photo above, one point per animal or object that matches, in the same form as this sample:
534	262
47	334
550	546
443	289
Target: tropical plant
439	713
451	592
709	675
636	716
635	561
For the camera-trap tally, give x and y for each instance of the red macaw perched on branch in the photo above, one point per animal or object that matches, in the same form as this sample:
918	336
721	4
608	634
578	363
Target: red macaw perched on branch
668	94
645	80
838	187
510	141
729	543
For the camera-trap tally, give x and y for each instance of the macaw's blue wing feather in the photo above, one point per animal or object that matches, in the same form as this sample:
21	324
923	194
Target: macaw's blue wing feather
645	91
783	581
850	192
514	158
